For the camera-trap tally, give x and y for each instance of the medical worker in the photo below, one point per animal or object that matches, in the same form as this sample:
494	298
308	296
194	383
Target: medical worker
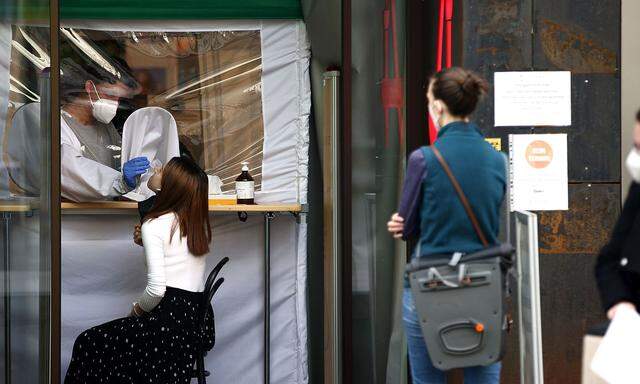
90	145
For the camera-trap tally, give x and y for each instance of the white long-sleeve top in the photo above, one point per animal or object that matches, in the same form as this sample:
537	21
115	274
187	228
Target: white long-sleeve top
169	262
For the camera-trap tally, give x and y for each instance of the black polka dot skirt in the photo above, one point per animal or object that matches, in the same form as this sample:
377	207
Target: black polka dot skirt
160	347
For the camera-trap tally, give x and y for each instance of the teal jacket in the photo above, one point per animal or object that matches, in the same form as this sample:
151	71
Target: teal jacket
445	227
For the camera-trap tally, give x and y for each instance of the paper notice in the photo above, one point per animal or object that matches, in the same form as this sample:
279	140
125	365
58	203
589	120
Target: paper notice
532	98
539	172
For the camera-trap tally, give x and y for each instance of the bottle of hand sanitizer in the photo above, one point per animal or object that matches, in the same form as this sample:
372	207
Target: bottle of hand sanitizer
245	186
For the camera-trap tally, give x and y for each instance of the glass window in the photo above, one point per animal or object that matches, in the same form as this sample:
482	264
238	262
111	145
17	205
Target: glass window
377	152
25	188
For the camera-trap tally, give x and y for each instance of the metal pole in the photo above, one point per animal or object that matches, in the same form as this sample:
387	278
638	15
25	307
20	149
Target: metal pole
530	324
332	221
268	216
6	217
51	196
44	266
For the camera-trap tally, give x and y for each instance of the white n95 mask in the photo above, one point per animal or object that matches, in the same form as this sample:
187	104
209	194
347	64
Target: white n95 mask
434	119
104	110
633	164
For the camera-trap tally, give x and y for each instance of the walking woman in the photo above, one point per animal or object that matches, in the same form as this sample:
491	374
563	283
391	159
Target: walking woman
157	343
430	210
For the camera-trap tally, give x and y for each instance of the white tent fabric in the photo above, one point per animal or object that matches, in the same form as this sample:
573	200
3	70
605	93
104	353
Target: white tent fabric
150	132
103	271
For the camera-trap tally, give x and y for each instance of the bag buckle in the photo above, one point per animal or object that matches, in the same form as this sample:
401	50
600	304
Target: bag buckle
455	259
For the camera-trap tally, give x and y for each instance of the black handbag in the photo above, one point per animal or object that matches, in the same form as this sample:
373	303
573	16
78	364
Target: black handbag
461	299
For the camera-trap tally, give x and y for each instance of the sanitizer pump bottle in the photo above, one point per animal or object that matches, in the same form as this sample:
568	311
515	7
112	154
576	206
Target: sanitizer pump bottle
245	186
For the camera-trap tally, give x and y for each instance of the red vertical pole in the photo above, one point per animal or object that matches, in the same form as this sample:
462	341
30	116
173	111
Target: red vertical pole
440	36
396	73
396	60
449	23
385	69
445	18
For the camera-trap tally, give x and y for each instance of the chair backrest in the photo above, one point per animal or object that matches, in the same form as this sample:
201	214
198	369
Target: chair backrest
211	286
213	275
215	287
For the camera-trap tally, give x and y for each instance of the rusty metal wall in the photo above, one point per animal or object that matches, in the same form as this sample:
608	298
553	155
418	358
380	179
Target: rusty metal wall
581	36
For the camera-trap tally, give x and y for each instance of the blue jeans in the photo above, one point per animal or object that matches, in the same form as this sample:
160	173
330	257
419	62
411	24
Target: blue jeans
422	371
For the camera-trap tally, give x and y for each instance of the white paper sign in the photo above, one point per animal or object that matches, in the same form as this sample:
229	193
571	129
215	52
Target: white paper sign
539	172
532	98
616	359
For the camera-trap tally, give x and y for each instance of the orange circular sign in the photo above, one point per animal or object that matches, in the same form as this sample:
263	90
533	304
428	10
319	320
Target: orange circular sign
539	154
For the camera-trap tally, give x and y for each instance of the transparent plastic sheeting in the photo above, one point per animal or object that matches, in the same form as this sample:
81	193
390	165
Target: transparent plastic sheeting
211	82
5	62
235	94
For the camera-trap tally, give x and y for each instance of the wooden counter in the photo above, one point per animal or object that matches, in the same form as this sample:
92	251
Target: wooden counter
106	207
130	205
15	206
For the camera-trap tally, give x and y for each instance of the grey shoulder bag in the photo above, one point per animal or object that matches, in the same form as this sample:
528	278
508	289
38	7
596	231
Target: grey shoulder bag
461	298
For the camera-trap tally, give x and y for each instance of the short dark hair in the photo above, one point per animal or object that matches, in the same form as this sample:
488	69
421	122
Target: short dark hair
459	89
638	116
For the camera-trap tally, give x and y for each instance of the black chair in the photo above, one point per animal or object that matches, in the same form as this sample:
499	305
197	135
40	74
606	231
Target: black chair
210	288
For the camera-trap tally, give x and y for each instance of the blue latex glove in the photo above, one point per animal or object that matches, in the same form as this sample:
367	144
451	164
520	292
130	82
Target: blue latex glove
134	168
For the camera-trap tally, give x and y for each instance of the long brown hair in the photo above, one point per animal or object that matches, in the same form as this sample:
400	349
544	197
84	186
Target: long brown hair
184	191
460	89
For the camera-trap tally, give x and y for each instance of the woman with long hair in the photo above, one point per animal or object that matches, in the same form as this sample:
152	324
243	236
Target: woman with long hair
158	341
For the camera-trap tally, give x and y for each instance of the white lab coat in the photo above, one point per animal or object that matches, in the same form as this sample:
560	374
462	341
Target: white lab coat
83	179
23	149
149	132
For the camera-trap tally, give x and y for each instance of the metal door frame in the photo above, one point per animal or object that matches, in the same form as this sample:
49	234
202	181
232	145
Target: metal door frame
529	310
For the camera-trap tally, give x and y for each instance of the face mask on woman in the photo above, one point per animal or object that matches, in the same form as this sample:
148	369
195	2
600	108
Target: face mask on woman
633	164
104	110
435	118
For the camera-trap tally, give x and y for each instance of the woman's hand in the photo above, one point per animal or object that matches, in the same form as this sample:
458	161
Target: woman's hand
396	225
137	235
155	181
136	311
612	311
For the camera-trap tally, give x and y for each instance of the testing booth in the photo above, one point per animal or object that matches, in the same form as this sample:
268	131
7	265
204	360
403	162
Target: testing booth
225	84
